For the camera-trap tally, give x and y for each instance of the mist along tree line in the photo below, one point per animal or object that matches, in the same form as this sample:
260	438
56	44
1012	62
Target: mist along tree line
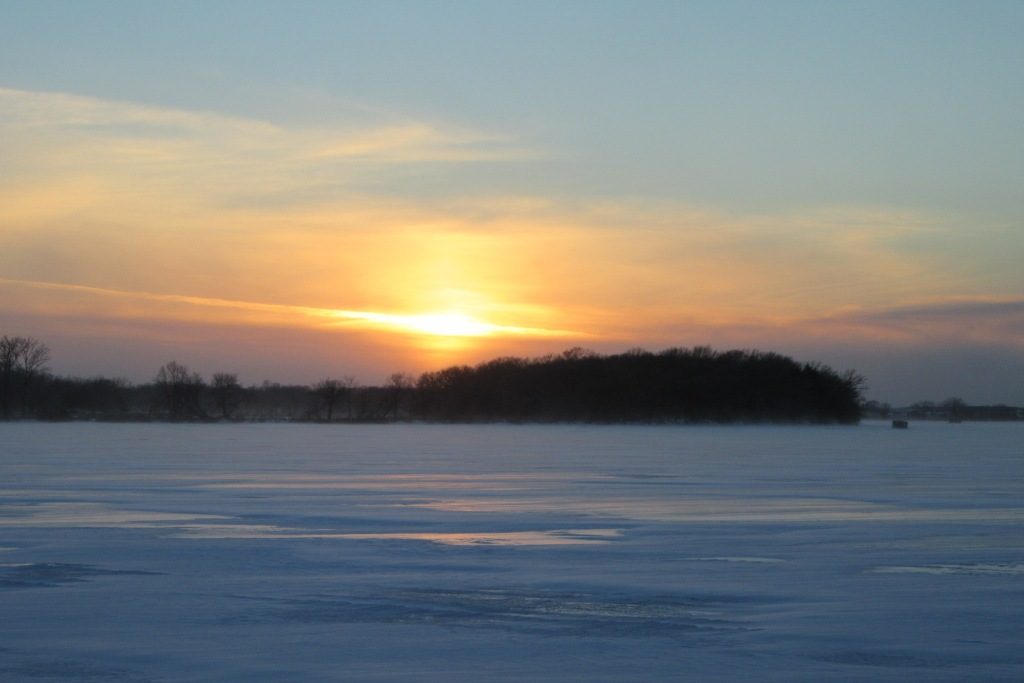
675	385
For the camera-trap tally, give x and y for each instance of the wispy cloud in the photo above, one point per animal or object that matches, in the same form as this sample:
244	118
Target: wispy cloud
959	320
169	131
128	150
443	323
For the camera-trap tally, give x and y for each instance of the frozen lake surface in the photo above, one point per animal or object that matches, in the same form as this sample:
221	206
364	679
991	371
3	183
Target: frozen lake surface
293	553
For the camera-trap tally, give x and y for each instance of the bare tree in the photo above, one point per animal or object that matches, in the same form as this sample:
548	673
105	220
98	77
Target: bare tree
179	389
397	390
226	393
348	382
22	362
331	392
9	347
857	383
956	409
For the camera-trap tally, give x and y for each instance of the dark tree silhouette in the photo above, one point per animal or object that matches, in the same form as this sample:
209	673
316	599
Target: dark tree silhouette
397	390
227	393
330	392
22	364
179	391
675	385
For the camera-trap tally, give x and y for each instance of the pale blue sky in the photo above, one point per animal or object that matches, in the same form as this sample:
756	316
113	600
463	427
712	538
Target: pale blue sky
792	171
750	104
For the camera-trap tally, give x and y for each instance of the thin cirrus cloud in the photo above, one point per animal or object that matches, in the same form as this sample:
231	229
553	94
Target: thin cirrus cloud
107	121
252	312
205	155
990	321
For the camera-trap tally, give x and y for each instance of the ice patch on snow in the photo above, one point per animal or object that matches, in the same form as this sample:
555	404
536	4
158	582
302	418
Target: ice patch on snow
71	670
894	659
747	560
524	611
502	538
88	515
726	509
49	574
999	568
491	482
553	537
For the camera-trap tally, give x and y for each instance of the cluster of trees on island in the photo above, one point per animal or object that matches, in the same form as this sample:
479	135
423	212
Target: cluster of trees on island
675	385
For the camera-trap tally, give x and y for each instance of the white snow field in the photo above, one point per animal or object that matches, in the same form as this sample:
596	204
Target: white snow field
156	553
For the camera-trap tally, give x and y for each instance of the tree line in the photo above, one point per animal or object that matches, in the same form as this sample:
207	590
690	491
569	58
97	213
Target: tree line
698	384
674	385
952	409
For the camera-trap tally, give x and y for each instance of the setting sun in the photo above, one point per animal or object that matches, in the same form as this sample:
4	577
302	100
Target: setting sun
445	324
449	325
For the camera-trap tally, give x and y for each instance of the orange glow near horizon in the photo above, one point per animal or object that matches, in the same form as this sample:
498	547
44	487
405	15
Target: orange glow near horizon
446	324
138	227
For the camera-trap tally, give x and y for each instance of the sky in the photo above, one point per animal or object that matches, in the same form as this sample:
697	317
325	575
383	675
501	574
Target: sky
292	191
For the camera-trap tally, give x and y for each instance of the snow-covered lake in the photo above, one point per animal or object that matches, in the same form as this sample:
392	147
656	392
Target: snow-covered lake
311	553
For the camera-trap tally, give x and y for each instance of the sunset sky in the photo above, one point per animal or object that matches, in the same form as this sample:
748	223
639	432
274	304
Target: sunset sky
294	190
